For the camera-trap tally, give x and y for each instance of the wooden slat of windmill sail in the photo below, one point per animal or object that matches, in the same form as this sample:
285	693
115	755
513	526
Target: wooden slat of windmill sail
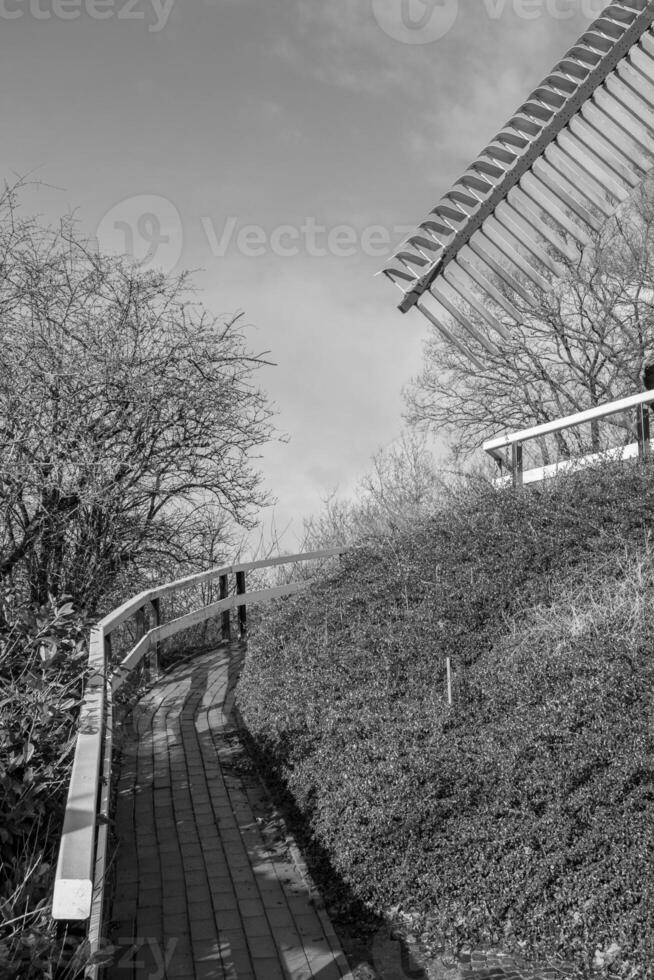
574	150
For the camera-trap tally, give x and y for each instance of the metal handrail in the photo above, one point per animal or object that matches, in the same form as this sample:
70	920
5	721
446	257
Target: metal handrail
514	440
79	879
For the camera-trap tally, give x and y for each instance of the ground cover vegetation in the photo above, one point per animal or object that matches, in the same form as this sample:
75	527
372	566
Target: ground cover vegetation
521	816
128	419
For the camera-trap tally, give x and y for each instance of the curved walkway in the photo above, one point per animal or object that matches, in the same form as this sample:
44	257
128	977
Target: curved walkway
203	888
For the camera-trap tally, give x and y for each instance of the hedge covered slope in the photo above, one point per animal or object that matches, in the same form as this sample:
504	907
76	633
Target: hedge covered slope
522	815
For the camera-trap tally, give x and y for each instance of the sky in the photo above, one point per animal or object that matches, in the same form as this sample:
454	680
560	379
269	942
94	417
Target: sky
280	149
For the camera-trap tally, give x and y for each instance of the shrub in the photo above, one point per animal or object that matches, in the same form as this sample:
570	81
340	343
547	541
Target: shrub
523	813
42	666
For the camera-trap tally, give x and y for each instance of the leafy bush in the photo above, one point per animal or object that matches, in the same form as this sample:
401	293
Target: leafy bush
522	815
42	666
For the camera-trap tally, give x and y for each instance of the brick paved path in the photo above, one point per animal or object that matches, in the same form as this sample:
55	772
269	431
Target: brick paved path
201	889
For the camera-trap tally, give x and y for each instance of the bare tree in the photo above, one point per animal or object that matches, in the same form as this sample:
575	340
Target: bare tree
403	484
128	415
582	342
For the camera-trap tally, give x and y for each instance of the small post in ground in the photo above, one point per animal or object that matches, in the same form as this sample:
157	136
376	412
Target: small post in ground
242	612
516	463
642	429
139	633
156	621
226	618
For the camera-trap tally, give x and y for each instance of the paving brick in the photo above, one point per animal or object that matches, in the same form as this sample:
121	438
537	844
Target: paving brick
224	901
195	863
289	939
231	939
251	907
202	929
202	909
267	881
234	845
281	918
243	875
148	897
208	970
239	863
149	880
219	880
175	903
255	926
228	919
222	809
181	971
263	947
245	889
240	963
172	871
195	877
174	924
149	921
274	900
268	969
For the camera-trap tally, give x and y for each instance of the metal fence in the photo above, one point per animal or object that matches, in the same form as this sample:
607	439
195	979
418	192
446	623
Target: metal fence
507	450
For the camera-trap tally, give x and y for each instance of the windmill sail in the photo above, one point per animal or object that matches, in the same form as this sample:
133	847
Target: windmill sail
574	150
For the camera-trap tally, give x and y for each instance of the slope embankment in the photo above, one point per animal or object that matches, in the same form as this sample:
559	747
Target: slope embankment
521	815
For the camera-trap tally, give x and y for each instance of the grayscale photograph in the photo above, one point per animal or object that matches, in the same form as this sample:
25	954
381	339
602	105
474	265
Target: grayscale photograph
326	490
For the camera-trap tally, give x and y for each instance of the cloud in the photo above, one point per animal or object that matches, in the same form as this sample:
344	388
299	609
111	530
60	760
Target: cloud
342	45
343	355
345	45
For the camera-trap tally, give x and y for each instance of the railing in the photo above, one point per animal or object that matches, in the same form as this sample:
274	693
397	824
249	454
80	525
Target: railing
513	442
79	881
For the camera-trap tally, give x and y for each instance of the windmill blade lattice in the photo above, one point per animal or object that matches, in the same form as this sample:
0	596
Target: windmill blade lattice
574	150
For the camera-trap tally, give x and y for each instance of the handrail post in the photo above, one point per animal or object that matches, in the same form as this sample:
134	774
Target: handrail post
242	612
516	463
139	632
226	618
642	430
156	621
